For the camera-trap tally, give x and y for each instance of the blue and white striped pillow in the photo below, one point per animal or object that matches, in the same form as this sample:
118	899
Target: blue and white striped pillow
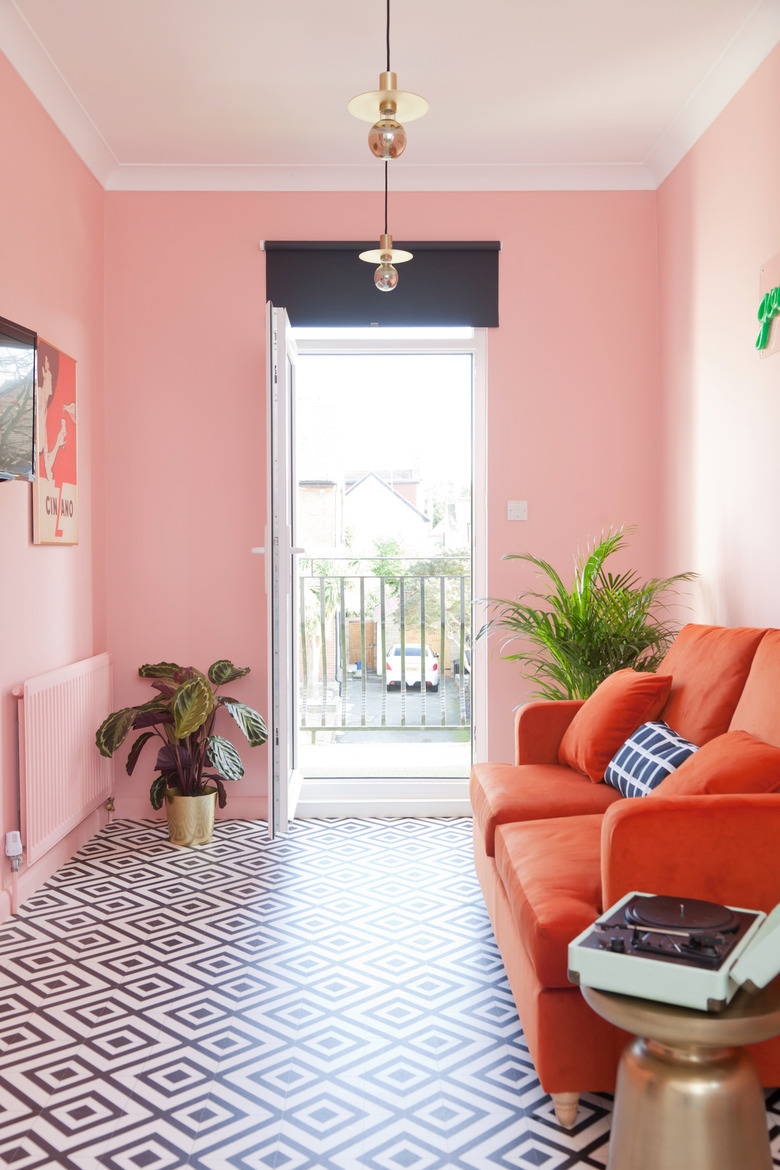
647	757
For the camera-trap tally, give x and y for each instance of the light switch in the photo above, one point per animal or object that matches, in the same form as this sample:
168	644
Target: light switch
517	509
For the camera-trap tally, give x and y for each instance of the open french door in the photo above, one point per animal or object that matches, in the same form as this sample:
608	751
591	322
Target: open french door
284	780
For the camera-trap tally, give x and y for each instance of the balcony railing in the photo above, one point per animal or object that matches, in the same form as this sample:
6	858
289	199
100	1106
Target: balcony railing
352	612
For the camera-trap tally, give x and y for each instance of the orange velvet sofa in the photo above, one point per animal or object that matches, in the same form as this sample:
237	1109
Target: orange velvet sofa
553	848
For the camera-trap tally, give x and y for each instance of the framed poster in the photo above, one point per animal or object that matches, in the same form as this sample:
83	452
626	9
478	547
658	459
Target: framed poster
55	490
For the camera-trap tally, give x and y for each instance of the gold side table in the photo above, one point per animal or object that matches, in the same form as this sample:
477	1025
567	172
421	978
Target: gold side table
688	1096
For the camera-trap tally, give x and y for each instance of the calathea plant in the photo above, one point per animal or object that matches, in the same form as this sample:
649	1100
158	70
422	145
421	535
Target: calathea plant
182	715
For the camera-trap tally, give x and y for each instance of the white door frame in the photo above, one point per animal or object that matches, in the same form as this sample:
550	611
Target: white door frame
445	797
284	780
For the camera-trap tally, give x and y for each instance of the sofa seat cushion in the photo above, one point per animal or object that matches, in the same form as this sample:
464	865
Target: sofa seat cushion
709	665
758	710
504	793
622	702
730	763
551	871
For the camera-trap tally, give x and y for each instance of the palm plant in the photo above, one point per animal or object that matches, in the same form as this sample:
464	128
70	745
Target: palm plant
572	638
182	717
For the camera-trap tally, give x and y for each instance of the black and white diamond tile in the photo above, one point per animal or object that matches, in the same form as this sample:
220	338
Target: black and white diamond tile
333	1000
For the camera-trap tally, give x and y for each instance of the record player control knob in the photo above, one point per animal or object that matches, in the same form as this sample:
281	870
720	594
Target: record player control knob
617	944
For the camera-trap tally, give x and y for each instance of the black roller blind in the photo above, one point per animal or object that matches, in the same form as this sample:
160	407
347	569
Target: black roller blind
326	284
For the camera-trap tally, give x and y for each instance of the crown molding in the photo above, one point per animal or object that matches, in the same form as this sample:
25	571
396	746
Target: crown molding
39	73
752	44
406	177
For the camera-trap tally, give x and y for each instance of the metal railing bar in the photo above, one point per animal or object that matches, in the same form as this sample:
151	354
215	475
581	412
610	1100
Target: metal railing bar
304	660
344	651
383	635
442	649
462	652
324	705
377	559
423	671
336	727
383	577
363	657
402	614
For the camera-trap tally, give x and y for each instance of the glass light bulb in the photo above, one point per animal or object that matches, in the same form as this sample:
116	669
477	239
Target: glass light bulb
387	138
385	277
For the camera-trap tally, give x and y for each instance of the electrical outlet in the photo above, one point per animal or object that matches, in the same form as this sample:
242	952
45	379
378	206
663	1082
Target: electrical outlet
517	509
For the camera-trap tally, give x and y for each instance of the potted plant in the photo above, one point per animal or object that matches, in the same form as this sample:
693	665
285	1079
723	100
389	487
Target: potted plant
192	763
572	638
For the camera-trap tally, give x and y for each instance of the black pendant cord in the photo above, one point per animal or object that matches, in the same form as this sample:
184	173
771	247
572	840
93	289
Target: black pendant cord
388	36
385	197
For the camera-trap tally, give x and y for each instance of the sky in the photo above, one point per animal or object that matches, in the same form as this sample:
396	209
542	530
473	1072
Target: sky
384	412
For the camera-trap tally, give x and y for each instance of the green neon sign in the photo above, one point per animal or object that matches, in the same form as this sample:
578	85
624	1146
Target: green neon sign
767	311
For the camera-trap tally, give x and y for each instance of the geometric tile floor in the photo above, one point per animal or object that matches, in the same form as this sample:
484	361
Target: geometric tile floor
331	1000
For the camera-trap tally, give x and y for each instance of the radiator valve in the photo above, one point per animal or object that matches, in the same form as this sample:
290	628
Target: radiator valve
13	844
13	848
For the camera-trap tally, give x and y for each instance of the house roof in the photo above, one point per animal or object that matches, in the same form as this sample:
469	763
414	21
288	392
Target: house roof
371	478
390	475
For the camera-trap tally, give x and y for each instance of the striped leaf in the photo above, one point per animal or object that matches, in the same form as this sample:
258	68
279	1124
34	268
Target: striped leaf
113	731
157	791
191	705
223	755
135	751
224	671
250	721
159	670
152	713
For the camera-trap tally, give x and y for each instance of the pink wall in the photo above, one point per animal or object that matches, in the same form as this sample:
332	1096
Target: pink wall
172	466
573	414
51	280
718	222
175	495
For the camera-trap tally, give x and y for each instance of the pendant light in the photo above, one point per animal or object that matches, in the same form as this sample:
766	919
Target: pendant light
386	256
387	137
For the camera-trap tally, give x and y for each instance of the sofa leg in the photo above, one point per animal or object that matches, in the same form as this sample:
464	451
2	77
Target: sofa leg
565	1105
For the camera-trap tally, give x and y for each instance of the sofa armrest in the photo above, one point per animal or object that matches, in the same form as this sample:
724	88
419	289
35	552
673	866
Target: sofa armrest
718	848
539	728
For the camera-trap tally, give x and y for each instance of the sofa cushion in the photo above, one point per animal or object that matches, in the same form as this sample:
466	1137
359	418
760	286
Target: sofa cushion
758	710
647	757
551	872
709	665
503	793
620	704
734	762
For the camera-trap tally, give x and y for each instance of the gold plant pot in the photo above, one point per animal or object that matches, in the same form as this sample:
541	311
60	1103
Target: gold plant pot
190	818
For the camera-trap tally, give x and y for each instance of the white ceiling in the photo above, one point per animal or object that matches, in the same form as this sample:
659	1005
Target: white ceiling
252	94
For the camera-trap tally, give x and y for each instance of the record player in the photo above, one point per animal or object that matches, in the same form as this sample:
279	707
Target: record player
677	950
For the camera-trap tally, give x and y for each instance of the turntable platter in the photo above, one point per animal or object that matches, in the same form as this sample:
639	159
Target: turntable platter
680	914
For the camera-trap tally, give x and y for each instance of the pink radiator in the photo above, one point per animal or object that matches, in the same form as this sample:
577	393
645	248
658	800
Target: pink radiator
63	777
